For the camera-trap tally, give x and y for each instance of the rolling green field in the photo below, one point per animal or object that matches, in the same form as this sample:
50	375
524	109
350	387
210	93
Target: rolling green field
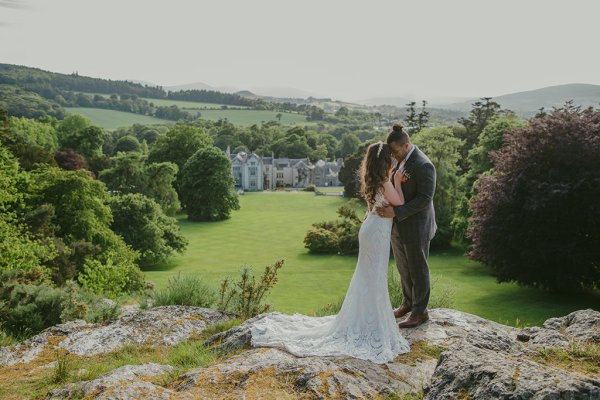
251	117
186	105
272	225
111	119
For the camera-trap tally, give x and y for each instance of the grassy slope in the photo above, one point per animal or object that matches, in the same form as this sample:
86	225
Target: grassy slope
186	105
111	119
272	225
250	117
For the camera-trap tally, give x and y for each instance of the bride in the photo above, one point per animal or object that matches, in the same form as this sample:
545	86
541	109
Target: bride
365	326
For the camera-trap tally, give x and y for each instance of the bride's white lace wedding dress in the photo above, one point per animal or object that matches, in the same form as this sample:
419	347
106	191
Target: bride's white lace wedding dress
365	327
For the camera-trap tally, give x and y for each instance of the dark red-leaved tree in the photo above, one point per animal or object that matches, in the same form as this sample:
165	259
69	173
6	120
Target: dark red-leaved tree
536	219
70	160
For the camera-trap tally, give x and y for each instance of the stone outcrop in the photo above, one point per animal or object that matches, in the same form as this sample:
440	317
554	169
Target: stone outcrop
167	325
127	382
453	356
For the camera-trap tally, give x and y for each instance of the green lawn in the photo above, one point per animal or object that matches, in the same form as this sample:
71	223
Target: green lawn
272	225
111	119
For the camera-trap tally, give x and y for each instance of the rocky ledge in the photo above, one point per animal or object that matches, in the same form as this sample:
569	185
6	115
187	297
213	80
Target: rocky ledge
453	356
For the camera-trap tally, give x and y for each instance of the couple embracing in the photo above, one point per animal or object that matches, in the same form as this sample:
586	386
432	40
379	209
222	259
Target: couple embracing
400	214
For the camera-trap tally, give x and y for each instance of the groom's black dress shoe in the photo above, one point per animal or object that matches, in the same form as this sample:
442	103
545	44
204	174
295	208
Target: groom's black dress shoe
415	319
401	311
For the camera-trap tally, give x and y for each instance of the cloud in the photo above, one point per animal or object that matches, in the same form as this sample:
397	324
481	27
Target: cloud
16	4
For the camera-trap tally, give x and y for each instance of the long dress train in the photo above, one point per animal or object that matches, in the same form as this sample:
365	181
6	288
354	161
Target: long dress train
365	326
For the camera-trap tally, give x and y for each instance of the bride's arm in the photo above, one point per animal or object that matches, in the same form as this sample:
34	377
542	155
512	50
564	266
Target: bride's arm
393	196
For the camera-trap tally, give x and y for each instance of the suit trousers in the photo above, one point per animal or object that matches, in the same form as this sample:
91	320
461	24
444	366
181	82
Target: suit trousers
411	261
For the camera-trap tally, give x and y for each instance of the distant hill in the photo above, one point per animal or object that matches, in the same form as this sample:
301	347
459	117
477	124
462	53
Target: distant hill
281	92
385	101
552	96
202	86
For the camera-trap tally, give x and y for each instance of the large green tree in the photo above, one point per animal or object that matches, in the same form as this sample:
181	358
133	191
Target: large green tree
348	145
76	132
130	173
480	163
178	145
442	148
143	225
207	186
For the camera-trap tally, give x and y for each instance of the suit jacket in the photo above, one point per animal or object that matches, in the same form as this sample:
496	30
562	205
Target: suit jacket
415	219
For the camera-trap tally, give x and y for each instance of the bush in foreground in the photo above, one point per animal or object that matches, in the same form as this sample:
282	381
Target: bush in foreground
185	290
245	297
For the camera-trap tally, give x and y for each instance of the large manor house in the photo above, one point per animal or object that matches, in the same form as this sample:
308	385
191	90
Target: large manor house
254	173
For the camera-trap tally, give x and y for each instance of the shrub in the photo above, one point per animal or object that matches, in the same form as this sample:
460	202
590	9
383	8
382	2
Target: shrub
112	275
336	237
185	290
27	309
84	304
29	303
310	188
245	297
319	240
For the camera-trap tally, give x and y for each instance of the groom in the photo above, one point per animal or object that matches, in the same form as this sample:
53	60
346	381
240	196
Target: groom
414	225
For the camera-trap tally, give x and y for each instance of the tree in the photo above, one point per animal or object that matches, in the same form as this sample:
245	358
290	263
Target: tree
127	174
131	174
32	132
207	186
70	160
128	143
161	179
32	155
479	162
143	225
535	217
442	147
481	113
342	112
349	144
18	249
320	153
348	174
411	115
291	145
423	117
178	145
77	133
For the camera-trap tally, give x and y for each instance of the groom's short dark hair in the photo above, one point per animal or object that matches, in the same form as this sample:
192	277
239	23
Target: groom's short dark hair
397	135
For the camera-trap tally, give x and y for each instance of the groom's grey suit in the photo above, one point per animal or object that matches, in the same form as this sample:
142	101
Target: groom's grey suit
414	227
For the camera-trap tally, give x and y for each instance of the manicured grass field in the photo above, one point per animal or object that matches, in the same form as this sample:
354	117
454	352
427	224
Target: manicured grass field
272	225
111	119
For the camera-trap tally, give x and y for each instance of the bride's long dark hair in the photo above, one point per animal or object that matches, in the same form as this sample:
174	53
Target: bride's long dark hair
374	170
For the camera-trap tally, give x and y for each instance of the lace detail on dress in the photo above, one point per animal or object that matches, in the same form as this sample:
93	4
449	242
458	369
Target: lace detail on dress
380	201
365	327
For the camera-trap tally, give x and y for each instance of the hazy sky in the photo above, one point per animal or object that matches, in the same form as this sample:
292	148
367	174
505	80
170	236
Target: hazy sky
340	48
